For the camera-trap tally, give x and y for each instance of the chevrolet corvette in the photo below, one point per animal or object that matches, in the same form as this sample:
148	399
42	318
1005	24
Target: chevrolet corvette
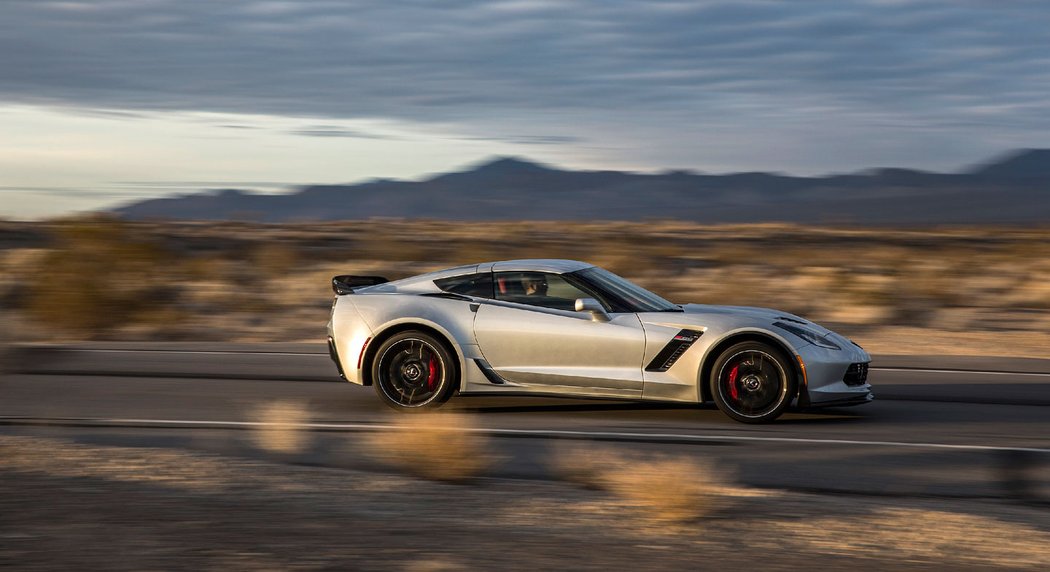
572	329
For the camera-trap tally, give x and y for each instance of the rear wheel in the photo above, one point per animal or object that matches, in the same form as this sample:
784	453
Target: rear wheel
753	382
413	371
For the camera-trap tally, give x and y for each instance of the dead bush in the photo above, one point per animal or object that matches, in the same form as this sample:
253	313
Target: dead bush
100	275
274	259
281	430
5	341
439	446
668	489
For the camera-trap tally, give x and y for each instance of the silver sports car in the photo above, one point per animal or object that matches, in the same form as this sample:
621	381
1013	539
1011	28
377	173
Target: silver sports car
568	328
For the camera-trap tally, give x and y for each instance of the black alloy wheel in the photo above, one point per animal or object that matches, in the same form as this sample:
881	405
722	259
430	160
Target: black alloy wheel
753	382
413	371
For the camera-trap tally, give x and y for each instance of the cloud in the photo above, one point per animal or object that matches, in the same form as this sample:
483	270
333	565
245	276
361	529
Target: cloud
67	192
336	131
664	68
531	139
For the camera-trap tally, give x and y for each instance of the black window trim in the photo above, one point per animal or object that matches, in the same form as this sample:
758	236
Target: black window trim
492	283
608	300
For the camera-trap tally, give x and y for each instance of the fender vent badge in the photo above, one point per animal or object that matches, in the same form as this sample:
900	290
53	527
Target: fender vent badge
673	350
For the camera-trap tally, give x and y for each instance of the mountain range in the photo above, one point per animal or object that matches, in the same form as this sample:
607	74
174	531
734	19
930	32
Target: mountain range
1011	189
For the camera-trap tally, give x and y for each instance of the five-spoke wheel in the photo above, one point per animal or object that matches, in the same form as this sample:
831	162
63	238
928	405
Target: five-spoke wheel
412	370
753	382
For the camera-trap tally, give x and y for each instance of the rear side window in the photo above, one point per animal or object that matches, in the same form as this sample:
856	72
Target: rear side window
479	285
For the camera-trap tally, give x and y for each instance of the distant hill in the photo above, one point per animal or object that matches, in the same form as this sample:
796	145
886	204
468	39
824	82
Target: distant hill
1014	189
1026	164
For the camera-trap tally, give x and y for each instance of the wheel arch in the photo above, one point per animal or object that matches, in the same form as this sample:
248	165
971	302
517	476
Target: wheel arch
383	335
707	364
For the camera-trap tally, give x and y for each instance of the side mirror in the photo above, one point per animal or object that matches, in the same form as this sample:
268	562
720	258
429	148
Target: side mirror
592	306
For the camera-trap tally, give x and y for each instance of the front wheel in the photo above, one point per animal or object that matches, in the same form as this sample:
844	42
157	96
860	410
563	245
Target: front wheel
413	371
753	382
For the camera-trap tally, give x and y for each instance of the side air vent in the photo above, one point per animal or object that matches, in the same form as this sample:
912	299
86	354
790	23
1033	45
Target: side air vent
490	374
673	350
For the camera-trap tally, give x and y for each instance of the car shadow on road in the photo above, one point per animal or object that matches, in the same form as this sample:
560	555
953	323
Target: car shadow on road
679	411
534	405
821	416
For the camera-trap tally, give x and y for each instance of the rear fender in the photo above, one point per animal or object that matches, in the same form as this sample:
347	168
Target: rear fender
449	318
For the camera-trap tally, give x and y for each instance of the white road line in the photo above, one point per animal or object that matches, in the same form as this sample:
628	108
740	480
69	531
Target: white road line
551	433
194	352
978	372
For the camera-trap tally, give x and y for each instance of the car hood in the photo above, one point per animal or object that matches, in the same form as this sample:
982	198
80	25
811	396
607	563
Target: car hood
727	318
765	316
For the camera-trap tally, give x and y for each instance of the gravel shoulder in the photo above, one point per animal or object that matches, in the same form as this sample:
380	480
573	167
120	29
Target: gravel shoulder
70	506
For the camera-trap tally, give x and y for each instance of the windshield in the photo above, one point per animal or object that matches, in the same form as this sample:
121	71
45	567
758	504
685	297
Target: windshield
622	295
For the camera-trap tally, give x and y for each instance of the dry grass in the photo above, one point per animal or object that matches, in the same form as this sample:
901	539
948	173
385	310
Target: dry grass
438	446
282	431
5	341
101	273
436	564
925	535
76	505
665	489
101	278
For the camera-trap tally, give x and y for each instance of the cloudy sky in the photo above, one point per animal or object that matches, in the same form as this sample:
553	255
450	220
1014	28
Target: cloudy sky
104	101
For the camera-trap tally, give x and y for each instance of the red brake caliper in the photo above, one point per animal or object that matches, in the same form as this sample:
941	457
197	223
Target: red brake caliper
432	373
732	382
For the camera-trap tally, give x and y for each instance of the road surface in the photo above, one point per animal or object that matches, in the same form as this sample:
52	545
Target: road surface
954	427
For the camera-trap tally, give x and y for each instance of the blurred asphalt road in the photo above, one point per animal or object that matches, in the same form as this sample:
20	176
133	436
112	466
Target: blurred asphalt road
915	378
970	427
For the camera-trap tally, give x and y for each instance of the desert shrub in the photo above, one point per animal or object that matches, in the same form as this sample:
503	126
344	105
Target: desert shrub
275	259
662	488
5	341
281	427
99	275
439	446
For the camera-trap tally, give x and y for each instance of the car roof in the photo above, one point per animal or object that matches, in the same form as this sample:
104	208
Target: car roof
555	265
425	282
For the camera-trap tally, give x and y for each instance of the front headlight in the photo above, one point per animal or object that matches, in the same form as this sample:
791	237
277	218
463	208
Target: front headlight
808	335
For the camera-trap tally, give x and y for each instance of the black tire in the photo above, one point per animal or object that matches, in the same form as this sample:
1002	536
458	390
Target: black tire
414	371
753	382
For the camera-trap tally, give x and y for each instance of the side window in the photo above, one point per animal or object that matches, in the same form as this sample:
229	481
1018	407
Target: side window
538	289
479	285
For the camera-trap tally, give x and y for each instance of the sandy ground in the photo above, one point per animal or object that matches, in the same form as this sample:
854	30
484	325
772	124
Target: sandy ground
67	506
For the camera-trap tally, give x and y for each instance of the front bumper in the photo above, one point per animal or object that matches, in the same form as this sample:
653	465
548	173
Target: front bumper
826	401
830	379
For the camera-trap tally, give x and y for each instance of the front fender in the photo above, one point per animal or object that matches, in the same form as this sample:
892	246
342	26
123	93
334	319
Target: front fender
715	345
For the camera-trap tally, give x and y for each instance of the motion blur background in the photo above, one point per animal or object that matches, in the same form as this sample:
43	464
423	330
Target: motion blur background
959	290
197	171
271	115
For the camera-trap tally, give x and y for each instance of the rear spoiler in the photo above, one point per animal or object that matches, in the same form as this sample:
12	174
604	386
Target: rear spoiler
346	283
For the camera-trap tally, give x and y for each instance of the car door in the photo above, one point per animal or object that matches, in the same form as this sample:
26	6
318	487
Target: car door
538	341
